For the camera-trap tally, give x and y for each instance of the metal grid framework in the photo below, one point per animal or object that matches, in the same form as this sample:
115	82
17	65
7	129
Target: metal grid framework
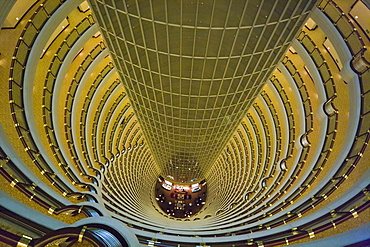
193	68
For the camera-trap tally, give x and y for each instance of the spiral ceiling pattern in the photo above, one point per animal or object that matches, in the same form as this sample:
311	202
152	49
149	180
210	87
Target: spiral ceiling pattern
83	140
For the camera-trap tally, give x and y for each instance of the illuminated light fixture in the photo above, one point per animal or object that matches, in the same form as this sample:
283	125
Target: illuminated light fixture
334	225
152	242
356	17
17	18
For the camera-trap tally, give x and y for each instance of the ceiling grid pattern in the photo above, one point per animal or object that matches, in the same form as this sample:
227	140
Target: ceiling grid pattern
294	170
192	69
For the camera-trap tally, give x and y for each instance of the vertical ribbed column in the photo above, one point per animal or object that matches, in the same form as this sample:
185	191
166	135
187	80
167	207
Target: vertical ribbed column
193	68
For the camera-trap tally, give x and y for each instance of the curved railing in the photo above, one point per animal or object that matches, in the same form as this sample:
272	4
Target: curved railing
344	25
95	235
47	99
18	64
346	211
302	88
95	145
17	179
21	53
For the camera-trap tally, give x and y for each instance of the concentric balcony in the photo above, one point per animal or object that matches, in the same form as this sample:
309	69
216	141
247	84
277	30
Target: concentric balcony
77	165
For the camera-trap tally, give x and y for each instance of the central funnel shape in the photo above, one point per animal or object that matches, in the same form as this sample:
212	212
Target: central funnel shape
193	68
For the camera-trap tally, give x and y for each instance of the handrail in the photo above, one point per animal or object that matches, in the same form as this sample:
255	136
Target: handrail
296	76
21	53
98	111
289	113
35	193
344	25
9	238
329	188
117	125
47	94
321	64
22	222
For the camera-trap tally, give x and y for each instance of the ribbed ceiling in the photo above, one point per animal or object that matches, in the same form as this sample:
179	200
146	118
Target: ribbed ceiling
193	69
80	144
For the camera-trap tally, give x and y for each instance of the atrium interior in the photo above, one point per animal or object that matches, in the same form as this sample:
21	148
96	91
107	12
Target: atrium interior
184	123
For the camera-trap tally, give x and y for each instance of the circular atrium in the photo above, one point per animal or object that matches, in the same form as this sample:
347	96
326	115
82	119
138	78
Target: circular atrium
184	123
